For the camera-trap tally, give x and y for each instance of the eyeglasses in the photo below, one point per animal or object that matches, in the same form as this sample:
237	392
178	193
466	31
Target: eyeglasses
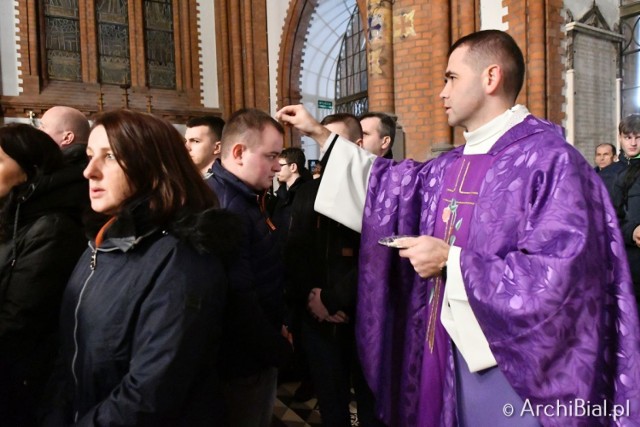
283	164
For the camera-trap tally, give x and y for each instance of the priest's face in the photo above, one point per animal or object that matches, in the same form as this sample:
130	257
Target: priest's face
463	95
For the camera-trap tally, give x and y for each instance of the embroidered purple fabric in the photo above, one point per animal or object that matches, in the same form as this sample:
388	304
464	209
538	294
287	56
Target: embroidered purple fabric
545	272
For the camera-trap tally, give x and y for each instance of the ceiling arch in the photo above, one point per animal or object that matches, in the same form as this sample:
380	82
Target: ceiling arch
320	54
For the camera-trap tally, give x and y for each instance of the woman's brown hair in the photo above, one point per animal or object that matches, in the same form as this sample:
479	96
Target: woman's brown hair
153	156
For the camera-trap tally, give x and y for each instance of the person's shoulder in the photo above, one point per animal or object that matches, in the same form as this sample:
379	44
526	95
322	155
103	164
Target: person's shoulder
617	167
611	171
54	224
309	187
306	194
439	161
229	196
75	154
542	135
450	155
213	231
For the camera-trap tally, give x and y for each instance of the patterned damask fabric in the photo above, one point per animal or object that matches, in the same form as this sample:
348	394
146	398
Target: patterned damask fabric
545	273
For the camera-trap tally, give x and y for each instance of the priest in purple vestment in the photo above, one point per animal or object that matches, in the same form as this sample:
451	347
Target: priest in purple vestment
512	303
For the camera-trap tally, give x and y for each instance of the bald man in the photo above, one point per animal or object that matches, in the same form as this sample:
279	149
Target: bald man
69	128
65	125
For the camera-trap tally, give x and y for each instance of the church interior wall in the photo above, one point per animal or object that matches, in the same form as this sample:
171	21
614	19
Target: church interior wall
276	14
492	13
9	78
208	54
595	92
421	33
608	8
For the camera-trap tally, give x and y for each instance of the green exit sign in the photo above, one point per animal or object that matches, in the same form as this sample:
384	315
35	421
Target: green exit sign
325	105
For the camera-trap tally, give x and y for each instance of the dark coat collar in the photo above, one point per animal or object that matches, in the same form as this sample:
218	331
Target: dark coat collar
212	231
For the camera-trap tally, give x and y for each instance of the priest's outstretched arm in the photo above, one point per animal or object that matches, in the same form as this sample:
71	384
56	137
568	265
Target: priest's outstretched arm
343	190
342	197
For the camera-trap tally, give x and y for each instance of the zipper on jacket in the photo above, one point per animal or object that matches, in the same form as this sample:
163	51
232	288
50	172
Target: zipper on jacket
92	266
94	260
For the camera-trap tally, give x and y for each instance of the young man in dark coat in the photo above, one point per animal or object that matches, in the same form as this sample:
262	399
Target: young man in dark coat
322	259
626	194
254	344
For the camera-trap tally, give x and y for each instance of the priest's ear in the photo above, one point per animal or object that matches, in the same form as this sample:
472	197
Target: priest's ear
386	143
492	78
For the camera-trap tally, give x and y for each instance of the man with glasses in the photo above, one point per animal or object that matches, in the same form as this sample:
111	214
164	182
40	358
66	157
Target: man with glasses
291	176
292	162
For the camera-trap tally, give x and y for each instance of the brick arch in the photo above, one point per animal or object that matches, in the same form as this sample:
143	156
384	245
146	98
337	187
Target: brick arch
294	36
296	26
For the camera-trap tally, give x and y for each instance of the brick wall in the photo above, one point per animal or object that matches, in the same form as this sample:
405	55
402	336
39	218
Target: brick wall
536	25
422	34
420	57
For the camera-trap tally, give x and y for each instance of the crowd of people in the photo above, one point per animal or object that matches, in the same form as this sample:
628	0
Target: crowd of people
149	278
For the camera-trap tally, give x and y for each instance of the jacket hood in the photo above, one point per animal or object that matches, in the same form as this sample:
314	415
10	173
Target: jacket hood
66	190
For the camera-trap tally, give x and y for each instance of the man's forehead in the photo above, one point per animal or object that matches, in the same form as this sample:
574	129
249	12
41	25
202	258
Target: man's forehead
372	121
195	130
457	55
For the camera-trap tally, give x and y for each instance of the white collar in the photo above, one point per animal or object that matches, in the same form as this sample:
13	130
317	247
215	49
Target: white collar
482	139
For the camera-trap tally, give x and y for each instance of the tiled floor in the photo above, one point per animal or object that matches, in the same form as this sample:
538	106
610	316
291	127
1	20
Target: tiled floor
288	413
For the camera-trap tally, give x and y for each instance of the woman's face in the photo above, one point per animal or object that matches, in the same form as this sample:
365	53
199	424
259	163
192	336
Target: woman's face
108	184
11	174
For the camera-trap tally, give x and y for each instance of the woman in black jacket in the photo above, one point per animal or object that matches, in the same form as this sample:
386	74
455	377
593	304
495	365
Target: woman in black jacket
40	241
141	315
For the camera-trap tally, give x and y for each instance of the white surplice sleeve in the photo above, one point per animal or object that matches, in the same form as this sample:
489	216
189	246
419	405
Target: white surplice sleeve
343	190
342	196
459	321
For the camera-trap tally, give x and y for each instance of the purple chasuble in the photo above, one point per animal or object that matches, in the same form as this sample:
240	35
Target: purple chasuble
461	183
544	269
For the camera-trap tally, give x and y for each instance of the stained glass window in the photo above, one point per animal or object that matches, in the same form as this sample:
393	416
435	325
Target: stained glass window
351	75
113	41
159	45
62	43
